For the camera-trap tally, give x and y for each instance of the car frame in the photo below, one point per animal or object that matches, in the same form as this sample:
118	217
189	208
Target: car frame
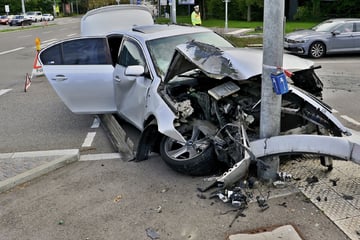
48	17
20	20
333	36
4	20
35	16
187	89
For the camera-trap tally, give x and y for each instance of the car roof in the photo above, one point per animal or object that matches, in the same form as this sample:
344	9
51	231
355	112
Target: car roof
343	19
156	31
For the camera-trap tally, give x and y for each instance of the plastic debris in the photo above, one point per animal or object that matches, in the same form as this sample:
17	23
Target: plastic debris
283	176
61	222
118	198
334	181
313	179
151	233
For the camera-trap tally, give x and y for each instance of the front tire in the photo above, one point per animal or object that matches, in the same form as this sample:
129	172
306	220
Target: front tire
317	50
194	157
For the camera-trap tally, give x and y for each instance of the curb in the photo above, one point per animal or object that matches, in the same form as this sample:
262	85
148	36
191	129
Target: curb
39	170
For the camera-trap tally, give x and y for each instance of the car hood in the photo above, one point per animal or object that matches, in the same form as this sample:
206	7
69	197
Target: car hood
104	20
236	63
303	34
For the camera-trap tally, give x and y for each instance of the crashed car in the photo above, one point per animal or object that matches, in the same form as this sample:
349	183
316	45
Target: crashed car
187	89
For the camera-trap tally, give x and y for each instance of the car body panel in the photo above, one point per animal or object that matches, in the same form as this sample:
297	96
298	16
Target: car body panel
64	65
20	20
342	36
104	20
236	63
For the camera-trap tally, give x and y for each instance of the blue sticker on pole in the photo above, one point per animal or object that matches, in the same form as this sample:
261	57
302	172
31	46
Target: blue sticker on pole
279	82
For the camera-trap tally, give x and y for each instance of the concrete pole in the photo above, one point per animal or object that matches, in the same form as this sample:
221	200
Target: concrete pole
270	102
173	11
23	6
226	16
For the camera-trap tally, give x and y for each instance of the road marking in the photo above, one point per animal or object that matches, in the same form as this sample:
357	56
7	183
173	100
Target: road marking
50	40
351	120
101	156
73	34
3	91
89	139
25	36
12	50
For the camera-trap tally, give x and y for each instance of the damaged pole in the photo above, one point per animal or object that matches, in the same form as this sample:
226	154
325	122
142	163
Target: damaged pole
272	62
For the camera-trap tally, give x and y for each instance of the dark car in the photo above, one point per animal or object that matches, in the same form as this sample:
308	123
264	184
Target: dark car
20	20
341	35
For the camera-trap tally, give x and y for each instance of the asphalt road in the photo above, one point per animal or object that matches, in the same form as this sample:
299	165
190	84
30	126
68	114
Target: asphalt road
115	199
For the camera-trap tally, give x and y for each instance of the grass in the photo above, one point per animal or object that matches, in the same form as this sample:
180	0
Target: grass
244	41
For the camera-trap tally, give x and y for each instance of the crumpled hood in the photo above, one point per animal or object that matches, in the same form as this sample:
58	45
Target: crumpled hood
236	63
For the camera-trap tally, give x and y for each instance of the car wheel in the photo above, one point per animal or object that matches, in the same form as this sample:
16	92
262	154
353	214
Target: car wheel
194	157
317	50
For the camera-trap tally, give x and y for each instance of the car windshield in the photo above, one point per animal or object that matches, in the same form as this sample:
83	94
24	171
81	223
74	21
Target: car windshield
162	49
326	26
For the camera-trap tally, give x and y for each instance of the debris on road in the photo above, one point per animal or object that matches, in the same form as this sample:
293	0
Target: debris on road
151	233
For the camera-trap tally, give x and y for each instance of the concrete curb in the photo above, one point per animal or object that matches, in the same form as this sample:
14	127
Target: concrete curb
39	171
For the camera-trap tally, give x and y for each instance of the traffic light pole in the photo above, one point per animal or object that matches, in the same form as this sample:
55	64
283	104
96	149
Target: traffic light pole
272	63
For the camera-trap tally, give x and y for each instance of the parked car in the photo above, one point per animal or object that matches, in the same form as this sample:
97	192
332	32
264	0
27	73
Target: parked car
20	20
48	17
340	35
187	89
35	16
4	20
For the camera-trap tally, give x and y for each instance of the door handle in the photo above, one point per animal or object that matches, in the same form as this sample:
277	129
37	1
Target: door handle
59	78
117	78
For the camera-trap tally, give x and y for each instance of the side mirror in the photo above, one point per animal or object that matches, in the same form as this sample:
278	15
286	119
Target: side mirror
136	70
336	32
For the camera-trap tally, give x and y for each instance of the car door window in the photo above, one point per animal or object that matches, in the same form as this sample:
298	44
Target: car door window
78	52
346	27
357	27
131	54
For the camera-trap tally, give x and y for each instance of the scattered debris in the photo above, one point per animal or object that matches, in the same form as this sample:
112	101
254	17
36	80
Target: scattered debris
318	198
158	209
201	196
61	222
283	176
284	204
279	184
151	233
239	213
348	197
313	179
334	181
118	198
262	203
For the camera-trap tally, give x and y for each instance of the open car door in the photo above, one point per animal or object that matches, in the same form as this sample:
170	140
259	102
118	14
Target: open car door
80	71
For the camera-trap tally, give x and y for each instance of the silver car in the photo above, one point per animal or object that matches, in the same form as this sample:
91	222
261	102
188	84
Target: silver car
187	89
332	36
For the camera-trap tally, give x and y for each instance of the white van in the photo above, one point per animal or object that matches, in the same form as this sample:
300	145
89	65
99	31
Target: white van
35	16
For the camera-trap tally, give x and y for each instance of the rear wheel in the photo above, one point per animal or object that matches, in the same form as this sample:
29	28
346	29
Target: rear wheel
194	157
317	50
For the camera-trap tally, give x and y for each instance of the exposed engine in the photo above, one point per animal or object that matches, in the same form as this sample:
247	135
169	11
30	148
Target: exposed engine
228	105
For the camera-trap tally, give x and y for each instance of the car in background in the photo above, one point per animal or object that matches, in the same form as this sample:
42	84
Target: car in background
35	16
341	35
4	20
190	92
47	17
20	20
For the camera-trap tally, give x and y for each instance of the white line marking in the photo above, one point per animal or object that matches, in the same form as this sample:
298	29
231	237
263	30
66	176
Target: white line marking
101	156
25	36
50	40
351	120
89	139
96	123
12	50
334	110
3	91
39	153
73	34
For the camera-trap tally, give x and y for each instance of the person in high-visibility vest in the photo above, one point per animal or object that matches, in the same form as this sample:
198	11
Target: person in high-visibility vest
195	16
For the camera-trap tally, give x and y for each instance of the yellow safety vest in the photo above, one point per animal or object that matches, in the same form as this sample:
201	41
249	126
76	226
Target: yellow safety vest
195	18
